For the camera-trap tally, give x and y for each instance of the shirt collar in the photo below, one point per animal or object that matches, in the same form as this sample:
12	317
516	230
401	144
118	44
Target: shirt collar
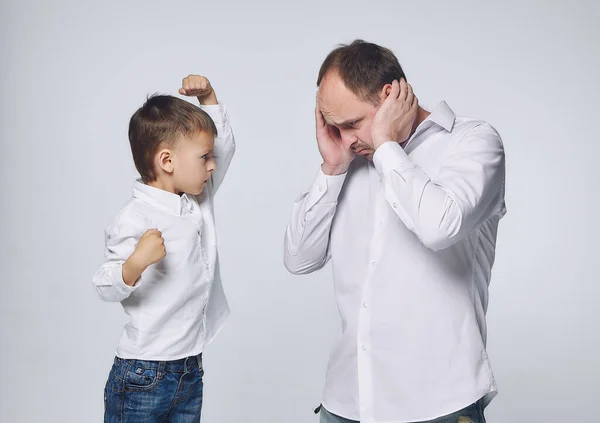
161	199
442	115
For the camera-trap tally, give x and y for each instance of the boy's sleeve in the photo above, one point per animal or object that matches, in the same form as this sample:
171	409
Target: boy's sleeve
224	142
121	238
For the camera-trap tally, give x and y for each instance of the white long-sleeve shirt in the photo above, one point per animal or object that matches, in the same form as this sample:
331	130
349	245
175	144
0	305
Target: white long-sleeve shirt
178	305
411	237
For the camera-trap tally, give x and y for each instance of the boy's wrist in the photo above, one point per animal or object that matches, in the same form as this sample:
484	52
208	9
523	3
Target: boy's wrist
133	268
208	100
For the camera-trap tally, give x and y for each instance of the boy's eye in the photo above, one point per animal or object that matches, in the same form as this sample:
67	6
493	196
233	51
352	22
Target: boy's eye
205	157
351	124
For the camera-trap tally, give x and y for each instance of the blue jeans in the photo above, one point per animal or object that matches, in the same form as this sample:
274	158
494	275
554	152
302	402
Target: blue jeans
154	391
471	414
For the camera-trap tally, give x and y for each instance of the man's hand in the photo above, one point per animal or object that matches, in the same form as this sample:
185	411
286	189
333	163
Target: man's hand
336	158
198	86
396	116
149	250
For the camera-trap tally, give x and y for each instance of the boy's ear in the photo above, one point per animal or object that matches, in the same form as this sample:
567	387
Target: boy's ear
165	160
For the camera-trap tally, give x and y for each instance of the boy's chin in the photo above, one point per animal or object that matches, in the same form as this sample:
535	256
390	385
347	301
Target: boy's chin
199	190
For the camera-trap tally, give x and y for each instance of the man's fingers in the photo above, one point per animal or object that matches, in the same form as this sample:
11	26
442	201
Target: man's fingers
403	90
415	102
319	118
395	90
409	93
318	115
333	132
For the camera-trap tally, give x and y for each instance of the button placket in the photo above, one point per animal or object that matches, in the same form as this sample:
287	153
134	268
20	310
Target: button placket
374	255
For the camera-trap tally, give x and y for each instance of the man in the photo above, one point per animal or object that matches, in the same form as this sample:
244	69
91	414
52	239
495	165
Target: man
406	205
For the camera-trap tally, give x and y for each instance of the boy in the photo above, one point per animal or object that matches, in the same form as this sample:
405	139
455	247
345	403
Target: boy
161	258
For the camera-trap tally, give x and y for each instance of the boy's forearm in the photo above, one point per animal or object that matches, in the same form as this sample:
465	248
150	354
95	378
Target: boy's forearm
132	269
209	100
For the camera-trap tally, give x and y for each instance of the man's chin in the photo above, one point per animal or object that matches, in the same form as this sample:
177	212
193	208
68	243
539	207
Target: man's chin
367	154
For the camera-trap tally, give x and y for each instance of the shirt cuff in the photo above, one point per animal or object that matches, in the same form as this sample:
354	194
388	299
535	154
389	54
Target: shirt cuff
217	112
391	156
326	188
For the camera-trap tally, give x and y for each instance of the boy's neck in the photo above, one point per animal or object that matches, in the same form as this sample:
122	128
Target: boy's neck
164	185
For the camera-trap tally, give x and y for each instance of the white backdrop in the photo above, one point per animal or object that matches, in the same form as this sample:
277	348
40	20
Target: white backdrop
71	75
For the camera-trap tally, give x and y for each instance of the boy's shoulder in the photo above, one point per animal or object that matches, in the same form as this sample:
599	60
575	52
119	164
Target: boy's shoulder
132	219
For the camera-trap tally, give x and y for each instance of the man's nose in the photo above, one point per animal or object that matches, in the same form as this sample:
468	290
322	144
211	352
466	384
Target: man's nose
347	139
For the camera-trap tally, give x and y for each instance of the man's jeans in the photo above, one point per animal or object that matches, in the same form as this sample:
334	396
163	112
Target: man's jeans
154	391
471	414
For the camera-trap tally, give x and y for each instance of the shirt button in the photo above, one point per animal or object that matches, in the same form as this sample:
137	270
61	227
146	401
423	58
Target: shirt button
320	189
365	305
380	223
395	205
364	347
373	263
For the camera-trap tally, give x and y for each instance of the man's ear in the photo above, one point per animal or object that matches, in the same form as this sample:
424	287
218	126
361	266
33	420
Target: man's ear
164	160
385	92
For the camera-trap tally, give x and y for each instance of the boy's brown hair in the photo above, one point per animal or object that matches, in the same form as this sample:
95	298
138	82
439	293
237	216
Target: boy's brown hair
160	122
363	67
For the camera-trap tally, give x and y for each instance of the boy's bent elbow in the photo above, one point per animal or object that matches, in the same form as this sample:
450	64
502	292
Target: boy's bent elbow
107	289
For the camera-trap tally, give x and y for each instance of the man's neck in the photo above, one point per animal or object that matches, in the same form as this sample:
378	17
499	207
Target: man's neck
422	114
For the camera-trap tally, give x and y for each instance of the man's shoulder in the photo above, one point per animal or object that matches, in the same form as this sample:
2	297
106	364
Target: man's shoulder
464	125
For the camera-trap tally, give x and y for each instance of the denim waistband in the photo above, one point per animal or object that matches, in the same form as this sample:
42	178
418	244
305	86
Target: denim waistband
182	365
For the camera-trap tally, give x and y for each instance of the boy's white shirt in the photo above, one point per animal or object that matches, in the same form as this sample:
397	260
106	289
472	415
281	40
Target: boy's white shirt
178	305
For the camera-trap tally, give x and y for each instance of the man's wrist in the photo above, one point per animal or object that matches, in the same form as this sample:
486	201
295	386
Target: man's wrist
334	170
378	141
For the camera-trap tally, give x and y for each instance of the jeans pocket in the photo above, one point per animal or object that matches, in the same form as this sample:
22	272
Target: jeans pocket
139	378
115	380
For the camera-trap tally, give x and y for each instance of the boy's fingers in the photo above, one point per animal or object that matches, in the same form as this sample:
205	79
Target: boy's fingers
147	233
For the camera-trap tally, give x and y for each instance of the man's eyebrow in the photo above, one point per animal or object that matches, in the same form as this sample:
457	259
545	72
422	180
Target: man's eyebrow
344	123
